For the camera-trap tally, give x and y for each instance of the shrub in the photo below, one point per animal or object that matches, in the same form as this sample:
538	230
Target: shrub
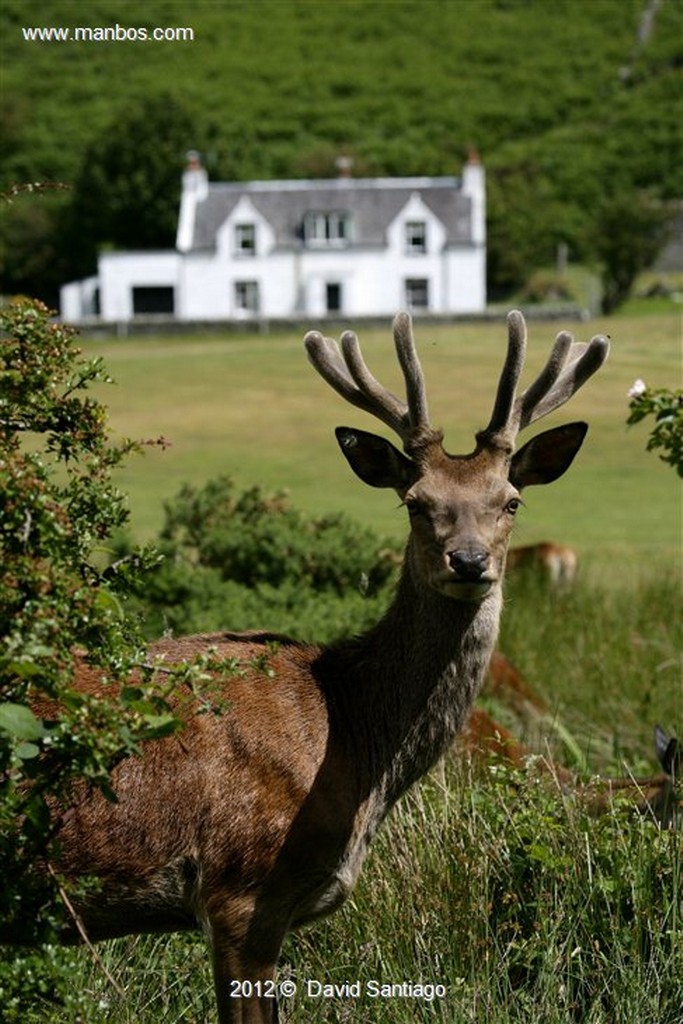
546	286
57	507
239	561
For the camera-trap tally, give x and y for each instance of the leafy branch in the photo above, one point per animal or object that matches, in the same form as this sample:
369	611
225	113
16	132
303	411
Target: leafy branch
666	406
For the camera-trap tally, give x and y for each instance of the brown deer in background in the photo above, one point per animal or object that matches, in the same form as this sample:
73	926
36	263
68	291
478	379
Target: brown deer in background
253	822
483	739
556	563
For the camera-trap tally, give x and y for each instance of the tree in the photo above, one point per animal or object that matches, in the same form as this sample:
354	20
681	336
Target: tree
526	222
127	192
627	232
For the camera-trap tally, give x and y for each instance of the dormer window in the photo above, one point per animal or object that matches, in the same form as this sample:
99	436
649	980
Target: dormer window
416	236
245	239
327	229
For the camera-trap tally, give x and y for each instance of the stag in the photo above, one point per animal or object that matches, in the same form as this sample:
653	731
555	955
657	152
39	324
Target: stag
256	821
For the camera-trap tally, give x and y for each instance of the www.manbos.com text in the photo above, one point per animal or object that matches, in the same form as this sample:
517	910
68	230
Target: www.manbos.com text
107	34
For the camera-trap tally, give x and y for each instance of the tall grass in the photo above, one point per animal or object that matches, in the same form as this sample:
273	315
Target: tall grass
488	882
606	659
518	904
496	895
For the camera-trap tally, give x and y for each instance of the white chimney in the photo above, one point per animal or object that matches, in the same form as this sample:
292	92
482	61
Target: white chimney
344	166
474	186
195	190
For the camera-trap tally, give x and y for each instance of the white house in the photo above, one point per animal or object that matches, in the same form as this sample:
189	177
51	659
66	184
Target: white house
349	247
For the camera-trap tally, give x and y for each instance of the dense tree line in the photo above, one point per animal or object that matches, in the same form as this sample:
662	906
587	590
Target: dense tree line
575	109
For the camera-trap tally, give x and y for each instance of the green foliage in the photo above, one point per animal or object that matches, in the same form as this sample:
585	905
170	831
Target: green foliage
667	408
57	607
127	192
29	213
627	232
238	561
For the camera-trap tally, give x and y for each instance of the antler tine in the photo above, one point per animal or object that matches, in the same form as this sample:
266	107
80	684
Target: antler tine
532	396
569	366
499	425
351	379
324	354
346	371
390	409
404	341
580	363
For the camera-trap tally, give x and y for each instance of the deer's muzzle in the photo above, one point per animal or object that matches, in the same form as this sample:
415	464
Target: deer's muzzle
469	565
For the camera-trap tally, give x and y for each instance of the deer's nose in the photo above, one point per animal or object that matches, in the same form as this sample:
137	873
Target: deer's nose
468	565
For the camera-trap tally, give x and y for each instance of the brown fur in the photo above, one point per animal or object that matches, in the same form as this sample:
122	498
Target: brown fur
556	563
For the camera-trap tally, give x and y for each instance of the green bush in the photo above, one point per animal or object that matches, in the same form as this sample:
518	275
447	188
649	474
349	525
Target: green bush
547	286
243	561
57	507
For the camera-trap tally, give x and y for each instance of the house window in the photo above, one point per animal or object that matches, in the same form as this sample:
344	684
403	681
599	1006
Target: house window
416	236
245	239
333	297
246	297
153	299
327	229
417	293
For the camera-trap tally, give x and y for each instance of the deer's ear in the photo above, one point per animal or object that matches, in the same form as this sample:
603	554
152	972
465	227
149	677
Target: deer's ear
376	461
547	456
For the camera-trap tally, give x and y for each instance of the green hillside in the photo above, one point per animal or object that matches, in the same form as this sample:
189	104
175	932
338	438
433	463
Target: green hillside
570	104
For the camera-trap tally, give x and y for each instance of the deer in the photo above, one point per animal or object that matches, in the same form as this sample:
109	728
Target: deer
652	796
484	739
256	821
557	563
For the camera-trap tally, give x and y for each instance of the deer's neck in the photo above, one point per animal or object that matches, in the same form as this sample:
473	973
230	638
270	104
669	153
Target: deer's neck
403	690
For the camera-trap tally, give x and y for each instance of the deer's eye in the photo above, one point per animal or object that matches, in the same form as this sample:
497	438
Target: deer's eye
413	506
513	505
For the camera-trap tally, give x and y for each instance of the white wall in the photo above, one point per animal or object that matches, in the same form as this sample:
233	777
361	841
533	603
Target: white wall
465	271
77	300
290	284
120	272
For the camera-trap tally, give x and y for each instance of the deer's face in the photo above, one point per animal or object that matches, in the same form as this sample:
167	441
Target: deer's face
461	516
461	508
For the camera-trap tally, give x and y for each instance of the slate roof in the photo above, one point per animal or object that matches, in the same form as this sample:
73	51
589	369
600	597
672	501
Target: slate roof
372	203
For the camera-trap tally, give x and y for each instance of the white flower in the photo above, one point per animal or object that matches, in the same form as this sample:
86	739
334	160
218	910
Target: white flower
638	388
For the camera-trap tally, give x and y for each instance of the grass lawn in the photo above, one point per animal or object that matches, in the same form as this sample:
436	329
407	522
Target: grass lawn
250	406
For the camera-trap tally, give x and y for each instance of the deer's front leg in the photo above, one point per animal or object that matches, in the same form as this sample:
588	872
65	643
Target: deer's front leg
244	973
